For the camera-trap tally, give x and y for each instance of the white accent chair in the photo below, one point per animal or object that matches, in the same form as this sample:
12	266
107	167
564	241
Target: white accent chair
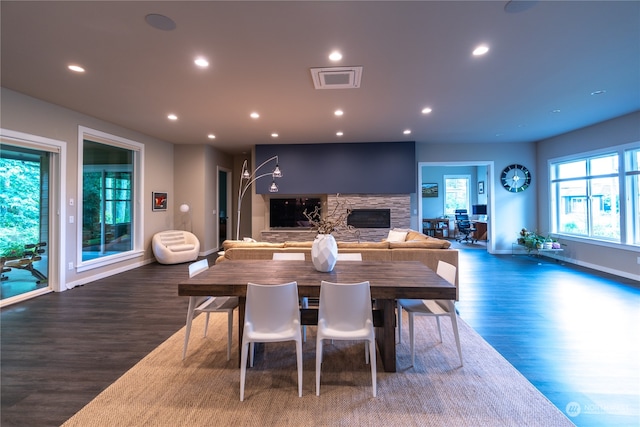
175	246
208	305
345	313
435	308
272	314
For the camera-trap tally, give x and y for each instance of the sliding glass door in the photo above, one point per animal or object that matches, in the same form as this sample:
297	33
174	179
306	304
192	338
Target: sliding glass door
24	220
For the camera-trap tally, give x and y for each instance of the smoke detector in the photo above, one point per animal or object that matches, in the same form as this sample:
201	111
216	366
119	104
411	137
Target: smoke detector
336	77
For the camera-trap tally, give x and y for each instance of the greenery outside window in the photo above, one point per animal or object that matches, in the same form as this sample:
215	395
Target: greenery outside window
111	219
456	193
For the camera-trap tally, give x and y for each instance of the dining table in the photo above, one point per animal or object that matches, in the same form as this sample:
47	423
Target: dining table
388	280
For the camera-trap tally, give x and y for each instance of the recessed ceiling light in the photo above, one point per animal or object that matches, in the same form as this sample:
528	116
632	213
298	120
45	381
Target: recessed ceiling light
407	131
172	117
76	68
338	112
274	135
599	92
335	56
211	136
254	115
555	111
339	133
480	50
201	62
426	110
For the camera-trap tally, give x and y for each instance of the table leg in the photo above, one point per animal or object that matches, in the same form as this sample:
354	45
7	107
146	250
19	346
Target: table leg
386	335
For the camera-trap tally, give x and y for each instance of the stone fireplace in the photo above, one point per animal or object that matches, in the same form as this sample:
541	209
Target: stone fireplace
376	206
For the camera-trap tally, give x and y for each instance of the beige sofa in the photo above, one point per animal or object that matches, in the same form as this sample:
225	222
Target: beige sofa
415	247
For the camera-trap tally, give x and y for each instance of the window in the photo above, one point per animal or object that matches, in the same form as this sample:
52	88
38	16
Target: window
456	193
632	161
587	197
110	218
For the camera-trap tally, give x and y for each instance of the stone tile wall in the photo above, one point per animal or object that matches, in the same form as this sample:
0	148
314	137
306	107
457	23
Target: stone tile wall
399	204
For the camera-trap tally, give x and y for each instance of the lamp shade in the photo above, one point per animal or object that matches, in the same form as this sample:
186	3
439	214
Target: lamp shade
184	208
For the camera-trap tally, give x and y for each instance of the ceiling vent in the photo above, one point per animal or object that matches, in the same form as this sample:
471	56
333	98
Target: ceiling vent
336	77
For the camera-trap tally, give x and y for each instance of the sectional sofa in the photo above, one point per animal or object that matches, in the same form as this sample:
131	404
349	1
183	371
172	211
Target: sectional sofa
405	245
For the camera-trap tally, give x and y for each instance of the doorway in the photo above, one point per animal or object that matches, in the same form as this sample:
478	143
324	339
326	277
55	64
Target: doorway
442	201
30	214
224	205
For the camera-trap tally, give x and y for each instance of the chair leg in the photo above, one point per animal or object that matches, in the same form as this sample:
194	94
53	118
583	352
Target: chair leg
305	304
454	325
439	327
229	333
252	352
412	338
190	310
243	368
366	353
318	364
299	363
372	351
206	324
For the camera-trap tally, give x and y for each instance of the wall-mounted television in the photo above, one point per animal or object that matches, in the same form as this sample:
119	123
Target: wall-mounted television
479	209
289	212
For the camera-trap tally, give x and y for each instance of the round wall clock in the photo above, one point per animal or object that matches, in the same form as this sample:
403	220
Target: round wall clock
515	178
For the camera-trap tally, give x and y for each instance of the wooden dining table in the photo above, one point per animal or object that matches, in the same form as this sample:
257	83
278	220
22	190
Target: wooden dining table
389	281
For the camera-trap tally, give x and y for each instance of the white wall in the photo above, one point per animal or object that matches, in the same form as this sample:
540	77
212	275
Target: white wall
508	212
35	117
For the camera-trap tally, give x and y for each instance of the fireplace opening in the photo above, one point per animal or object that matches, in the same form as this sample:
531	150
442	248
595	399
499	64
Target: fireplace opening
370	218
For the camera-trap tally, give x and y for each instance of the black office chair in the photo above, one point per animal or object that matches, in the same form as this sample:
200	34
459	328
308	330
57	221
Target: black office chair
465	227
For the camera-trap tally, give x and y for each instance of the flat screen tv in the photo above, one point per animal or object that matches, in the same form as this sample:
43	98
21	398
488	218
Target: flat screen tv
289	212
479	209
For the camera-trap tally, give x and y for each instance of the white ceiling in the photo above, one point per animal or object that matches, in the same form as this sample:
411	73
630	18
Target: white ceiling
414	54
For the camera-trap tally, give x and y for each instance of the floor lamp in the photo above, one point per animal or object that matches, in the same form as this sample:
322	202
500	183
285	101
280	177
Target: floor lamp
246	179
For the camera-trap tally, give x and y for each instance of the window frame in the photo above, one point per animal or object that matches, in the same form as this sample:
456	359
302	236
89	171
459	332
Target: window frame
628	216
137	214
466	177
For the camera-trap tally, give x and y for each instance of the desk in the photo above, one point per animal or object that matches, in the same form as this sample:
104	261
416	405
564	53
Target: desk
388	280
481	230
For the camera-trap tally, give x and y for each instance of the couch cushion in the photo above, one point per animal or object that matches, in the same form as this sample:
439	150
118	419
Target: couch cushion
363	245
172	238
415	235
181	248
421	244
227	244
298	244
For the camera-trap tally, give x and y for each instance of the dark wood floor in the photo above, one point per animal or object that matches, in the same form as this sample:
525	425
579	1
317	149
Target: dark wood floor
572	332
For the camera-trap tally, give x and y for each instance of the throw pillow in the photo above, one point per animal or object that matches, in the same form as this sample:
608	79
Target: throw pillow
397	236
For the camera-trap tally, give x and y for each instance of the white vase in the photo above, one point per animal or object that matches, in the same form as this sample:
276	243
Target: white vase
324	252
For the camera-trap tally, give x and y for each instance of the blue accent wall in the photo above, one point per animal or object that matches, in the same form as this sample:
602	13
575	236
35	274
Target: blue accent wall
349	168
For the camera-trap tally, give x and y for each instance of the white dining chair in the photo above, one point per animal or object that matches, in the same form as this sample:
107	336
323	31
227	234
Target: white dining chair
345	314
208	305
304	301
434	308
272	314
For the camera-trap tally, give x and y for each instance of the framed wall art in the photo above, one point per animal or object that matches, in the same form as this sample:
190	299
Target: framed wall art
159	201
430	190
481	187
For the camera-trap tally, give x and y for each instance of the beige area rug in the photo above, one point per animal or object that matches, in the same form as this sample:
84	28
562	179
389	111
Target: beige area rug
203	390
